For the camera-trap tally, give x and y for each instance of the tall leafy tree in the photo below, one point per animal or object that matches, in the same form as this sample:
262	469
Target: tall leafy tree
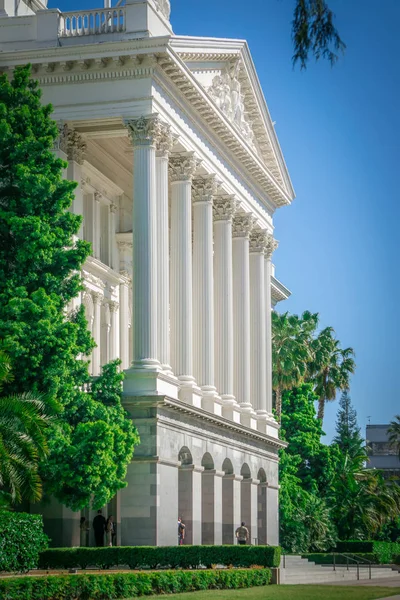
394	433
348	433
291	353
40	264
314	33
330	368
24	422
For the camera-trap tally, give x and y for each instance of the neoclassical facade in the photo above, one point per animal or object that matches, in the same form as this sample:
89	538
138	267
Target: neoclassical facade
179	174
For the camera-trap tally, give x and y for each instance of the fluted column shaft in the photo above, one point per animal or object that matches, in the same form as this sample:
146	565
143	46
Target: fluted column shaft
258	322
242	226
124	324
97	300
114	337
143	133
224	208
203	283
182	168
163	148
271	246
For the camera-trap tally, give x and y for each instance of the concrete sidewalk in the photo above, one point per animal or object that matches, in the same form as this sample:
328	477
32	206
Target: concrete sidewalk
381	582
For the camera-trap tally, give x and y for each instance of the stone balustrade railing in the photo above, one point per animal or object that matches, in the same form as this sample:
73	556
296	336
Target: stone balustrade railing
92	22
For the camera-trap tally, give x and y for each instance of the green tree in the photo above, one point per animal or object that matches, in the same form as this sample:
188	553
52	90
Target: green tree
24	422
348	433
40	264
314	32
394	434
291	339
330	368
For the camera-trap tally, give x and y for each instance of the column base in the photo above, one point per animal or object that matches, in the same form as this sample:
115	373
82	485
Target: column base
230	408
210	400
189	392
248	417
266	423
146	382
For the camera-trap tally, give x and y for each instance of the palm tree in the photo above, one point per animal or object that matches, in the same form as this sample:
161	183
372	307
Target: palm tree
291	351
394	434
330	368
24	420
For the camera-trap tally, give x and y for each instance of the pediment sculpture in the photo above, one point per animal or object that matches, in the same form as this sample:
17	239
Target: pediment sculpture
227	94
164	7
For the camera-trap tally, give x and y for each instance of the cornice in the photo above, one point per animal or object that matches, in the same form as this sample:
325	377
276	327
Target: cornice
278	291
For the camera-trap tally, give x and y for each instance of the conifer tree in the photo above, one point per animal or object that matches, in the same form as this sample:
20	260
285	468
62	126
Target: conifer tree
348	433
40	267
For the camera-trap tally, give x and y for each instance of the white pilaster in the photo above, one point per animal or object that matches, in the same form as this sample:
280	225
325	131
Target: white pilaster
97	225
163	149
124	322
258	388
114	334
182	168
204	189
97	301
242	226
224	209
112	241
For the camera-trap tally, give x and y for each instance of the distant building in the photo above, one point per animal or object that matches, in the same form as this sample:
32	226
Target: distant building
381	454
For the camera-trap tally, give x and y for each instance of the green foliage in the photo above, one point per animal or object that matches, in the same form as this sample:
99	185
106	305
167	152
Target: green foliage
348	436
394	434
160	557
21	541
40	263
314	32
91	449
384	551
24	422
129	585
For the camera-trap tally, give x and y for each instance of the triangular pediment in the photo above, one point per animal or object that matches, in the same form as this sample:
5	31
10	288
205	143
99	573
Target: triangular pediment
225	70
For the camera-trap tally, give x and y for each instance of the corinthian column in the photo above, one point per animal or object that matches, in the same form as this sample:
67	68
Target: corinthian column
269	250
204	189
143	132
258	309
163	149
224	209
242	226
97	301
182	168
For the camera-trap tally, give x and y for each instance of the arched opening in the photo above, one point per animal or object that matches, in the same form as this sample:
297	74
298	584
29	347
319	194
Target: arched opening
208	501
189	496
246	503
229	519
262	507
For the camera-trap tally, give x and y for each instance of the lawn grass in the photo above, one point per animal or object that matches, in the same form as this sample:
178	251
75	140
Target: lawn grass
291	592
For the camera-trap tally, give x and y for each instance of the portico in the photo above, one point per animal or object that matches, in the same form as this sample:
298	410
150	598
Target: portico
179	172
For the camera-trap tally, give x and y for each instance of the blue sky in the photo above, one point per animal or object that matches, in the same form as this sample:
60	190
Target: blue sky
339	130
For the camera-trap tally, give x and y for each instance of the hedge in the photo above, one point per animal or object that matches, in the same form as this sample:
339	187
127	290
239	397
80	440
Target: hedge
396	559
21	541
128	585
384	551
327	558
162	557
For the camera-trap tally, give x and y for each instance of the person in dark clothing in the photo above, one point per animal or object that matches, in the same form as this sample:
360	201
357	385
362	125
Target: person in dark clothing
99	524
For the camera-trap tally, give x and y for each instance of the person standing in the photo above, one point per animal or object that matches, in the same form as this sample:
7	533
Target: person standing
181	532
242	534
109	530
99	524
84	528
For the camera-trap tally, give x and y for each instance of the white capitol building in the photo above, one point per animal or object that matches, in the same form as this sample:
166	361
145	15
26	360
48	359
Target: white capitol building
179	172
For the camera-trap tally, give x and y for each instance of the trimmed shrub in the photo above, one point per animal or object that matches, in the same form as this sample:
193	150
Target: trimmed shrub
396	559
163	557
128	585
384	551
21	541
327	558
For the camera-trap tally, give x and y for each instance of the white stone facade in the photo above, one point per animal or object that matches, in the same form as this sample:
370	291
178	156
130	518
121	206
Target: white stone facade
179	173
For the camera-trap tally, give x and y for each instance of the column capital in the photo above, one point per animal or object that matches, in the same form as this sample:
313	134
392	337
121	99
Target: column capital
164	141
113	208
114	306
271	246
71	143
242	225
225	207
204	189
144	131
258	241
182	166
98	297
